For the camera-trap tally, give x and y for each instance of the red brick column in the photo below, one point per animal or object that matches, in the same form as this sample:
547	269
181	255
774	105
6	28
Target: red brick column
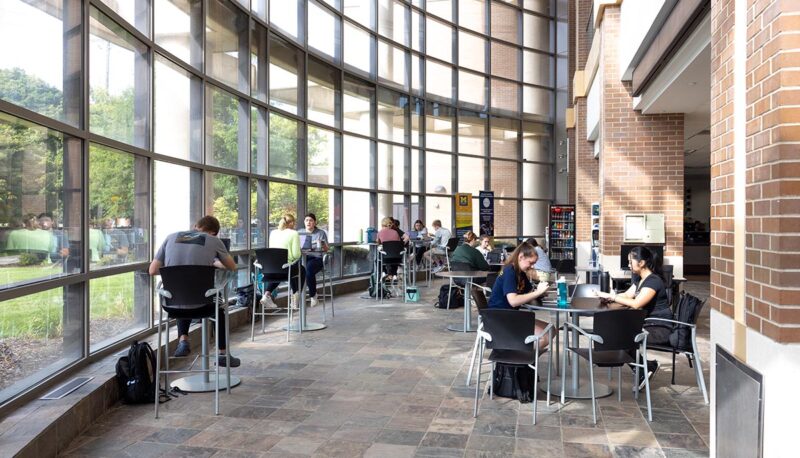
641	160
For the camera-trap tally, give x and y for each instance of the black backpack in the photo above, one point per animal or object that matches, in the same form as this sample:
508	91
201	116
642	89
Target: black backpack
136	374
456	298
245	296
377	287
513	381
688	310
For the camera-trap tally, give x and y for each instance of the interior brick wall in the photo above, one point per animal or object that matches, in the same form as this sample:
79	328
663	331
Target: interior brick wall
586	166
641	161
571	65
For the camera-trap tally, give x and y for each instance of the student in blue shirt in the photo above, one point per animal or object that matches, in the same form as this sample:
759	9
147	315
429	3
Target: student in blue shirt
513	288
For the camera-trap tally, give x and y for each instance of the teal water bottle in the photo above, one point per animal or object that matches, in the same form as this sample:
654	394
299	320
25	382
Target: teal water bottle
562	292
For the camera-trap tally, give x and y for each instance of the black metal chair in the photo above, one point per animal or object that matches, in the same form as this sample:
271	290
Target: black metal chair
490	279
393	253
272	264
452	244
691	312
325	289
668	275
191	292
456	283
509	332
480	295
617	334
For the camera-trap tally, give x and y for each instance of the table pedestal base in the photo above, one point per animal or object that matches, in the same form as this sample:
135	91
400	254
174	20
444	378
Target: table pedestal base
583	392
460	328
307	327
198	383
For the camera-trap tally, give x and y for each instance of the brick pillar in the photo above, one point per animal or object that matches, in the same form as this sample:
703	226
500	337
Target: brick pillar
571	65
641	159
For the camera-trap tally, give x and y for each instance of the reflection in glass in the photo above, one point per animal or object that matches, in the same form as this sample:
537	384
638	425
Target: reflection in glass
283	141
226	199
505	96
537	68
224	147
323	31
323	92
472	88
391	167
356	106
392	64
285	70
178	28
392	107
471	133
358	48
438	39
40	61
472	14
536	142
258	140
226	45
505	22
536	182
416	173
537	102
439	80
178	111
471	51
286	16
40	185
119	306
258	61
536	32
135	13
119	103
504	138
392	20
441	8
504	179
361	11
439	126
321	156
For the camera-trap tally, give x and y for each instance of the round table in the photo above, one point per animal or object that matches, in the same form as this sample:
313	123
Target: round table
577	307
304	324
468	276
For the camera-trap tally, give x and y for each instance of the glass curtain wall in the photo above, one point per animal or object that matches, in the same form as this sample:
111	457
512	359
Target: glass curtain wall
351	109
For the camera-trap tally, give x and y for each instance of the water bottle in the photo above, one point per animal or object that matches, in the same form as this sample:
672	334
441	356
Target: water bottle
361	236
562	292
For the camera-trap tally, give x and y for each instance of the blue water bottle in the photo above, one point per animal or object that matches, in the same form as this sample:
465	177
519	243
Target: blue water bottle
562	292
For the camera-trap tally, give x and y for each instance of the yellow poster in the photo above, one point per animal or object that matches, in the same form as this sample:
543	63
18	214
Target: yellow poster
463	214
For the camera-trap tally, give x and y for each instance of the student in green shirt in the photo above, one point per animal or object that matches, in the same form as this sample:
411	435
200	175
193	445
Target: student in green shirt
31	239
285	236
467	253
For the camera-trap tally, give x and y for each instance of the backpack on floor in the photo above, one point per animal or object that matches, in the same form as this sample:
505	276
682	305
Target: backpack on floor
456	298
136	374
513	381
377	287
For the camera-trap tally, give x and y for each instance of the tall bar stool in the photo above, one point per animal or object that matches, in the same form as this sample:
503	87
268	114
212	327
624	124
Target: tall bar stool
393	253
271	264
191	292
325	289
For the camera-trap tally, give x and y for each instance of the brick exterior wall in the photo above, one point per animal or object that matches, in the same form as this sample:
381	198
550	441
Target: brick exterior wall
641	163
586	166
772	288
571	65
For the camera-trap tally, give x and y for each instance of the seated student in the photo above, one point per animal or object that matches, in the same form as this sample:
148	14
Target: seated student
466	254
314	259
388	234
513	288
649	294
403	236
486	246
198	247
440	238
285	236
542	266
419	247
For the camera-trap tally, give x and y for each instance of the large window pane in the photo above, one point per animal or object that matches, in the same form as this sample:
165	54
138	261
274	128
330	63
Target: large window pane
540	6
470	174
537	103
361	11
176	199
119	306
505	61
323	92
321	156
534	218
438	80
440	208
119	209
417	27
358	48
392	20
321	203
471	51
285	71
282	201
439	126
356	211
286	15
536	142
536	32
283	140
40	213
356	260
505	96
416	74
356	106
259	139
441	8
357	162
323	31
504	178
134	13
391	167
226	199
438	173
417	108
472	88
259	87
537	68
178	27
505	217
537	181
392	65
40	57
226	45
505	22
227	130
416	173
438	39
258	214
472	133
260	8
392	108
178	112
472	14
119	102
42	333
504	138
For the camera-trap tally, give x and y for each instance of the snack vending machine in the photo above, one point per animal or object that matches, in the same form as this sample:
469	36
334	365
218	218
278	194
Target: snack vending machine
561	232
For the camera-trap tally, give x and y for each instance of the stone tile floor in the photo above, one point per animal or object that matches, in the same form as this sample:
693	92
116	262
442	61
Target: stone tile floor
388	381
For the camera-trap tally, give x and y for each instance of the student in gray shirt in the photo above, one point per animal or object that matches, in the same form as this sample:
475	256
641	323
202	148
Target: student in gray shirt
319	242
198	247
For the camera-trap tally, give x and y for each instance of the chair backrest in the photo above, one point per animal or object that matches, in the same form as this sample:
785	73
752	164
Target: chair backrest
481	302
510	248
452	243
494	256
585	290
187	285
272	260
618	328
689	308
490	279
393	249
509	328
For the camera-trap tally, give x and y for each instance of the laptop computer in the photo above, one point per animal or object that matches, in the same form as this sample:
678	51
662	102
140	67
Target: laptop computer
413	235
305	241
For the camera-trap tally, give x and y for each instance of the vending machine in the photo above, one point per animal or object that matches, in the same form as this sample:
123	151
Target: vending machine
561	237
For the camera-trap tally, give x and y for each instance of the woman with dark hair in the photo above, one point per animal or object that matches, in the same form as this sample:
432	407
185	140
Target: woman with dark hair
419	247
542	266
647	292
513	288
319	241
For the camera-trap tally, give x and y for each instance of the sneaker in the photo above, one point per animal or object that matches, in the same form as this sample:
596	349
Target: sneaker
651	371
267	302
314	302
437	268
296	300
235	362
183	349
